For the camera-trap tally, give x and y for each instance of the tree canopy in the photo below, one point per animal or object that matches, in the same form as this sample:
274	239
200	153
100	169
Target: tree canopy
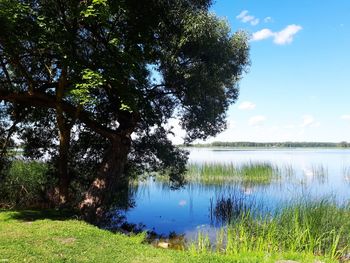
78	78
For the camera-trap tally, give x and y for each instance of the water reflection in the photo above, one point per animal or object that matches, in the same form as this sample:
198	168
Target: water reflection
346	173
225	208
316	173
204	205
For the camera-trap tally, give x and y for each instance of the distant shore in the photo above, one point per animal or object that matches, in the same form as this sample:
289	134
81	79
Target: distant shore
261	145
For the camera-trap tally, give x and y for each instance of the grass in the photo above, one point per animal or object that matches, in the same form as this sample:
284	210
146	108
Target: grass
246	174
34	236
305	232
24	184
318	228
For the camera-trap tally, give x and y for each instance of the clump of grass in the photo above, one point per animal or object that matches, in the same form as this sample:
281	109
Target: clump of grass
262	173
247	174
320	228
210	170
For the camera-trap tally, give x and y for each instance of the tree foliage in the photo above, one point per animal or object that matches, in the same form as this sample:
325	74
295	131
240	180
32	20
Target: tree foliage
85	75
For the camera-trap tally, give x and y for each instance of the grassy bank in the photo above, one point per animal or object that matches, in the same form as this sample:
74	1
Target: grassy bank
319	228
29	236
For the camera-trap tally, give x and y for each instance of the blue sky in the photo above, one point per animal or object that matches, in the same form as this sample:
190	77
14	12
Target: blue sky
298	85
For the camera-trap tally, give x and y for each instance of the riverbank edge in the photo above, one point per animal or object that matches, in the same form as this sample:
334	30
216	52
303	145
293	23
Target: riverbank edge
27	235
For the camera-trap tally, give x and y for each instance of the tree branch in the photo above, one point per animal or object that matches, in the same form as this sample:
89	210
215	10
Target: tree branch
47	101
11	130
3	65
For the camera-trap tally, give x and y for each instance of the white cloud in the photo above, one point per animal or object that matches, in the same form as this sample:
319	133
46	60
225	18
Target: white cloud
242	14
245	18
255	22
257	120
262	34
345	117
289	126
268	19
309	121
247	105
285	36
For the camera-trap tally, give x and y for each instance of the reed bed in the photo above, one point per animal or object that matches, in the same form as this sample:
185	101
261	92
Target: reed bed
224	209
320	228
249	173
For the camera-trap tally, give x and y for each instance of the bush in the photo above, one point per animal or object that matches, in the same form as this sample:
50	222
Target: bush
25	184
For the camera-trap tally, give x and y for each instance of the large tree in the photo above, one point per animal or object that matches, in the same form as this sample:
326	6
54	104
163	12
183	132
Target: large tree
98	71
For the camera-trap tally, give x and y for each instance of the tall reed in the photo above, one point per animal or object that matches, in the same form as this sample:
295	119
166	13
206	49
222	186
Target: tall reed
249	173
318	227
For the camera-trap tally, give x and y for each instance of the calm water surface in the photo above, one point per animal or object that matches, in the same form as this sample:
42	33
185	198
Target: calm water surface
314	173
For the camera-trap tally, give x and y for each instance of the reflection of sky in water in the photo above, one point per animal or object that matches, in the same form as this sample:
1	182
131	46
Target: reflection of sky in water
317	173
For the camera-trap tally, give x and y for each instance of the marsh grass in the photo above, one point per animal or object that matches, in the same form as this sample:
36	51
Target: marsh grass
25	183
247	174
346	174
225	208
320	228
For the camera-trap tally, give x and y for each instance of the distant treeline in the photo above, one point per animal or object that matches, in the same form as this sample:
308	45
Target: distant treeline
276	144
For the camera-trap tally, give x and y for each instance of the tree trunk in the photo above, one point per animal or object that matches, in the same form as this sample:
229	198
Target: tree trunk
63	174
64	128
111	174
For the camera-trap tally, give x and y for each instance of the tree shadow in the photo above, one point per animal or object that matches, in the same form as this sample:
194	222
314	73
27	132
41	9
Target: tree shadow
51	214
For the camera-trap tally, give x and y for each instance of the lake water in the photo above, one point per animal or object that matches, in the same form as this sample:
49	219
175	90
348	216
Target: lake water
312	173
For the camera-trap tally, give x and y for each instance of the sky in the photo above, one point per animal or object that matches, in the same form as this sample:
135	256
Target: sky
298	85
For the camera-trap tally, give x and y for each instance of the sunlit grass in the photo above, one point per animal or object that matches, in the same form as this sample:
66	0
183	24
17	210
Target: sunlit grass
34	236
320	228
249	173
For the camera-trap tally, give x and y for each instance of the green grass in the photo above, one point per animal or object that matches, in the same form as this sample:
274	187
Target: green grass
319	228
34	236
24	184
247	174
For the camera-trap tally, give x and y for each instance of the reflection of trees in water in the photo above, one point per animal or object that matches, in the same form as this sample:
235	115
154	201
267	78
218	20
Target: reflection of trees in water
227	207
123	200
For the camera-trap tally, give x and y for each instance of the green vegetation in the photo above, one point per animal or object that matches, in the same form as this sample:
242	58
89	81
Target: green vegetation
319	228
250	173
77	78
25	184
299	232
46	236
274	144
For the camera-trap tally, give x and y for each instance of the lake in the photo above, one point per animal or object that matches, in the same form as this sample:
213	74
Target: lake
304	173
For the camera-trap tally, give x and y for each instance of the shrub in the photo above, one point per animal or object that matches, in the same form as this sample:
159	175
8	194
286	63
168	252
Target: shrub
25	184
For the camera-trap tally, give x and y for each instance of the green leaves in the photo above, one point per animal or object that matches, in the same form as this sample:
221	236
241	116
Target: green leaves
125	107
13	10
90	80
92	10
131	63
